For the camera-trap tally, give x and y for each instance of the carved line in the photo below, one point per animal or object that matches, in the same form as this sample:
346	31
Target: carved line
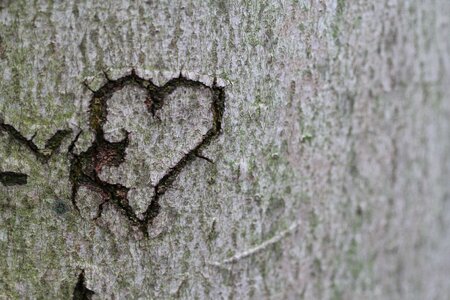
51	145
81	292
13	178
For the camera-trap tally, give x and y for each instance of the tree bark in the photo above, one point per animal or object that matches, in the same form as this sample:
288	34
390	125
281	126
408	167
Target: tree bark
224	149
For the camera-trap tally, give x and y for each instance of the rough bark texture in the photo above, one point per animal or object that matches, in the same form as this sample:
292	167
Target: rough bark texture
225	149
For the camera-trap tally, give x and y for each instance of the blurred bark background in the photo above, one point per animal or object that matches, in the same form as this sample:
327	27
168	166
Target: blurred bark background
303	152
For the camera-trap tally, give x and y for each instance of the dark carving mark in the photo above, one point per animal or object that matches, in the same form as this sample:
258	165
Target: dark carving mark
50	147
55	141
86	166
73	143
81	292
205	158
12	178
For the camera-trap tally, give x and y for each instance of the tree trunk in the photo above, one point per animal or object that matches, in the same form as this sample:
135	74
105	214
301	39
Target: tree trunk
224	149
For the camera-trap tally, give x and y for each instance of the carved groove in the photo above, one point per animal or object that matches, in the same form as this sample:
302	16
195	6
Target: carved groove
12	178
86	166
81	292
50	146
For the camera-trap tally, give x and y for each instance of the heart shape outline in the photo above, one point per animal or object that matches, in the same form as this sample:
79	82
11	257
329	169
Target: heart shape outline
86	166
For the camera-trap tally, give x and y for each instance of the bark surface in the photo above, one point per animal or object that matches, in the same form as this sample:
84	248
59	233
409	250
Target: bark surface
224	149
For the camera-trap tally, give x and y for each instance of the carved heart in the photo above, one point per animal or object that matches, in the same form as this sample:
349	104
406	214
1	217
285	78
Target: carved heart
144	136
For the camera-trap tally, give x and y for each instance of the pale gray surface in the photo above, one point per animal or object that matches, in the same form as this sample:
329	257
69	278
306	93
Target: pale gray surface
330	178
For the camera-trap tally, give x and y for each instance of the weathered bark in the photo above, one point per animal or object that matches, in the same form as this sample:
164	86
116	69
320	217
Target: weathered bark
224	149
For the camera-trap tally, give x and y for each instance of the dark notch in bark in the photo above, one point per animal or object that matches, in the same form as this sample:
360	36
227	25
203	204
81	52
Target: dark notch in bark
81	292
50	146
12	178
86	166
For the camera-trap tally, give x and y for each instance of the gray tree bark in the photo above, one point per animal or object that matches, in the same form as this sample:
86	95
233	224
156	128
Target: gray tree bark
224	149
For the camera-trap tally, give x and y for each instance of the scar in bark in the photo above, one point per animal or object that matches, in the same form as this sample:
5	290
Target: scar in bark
86	166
